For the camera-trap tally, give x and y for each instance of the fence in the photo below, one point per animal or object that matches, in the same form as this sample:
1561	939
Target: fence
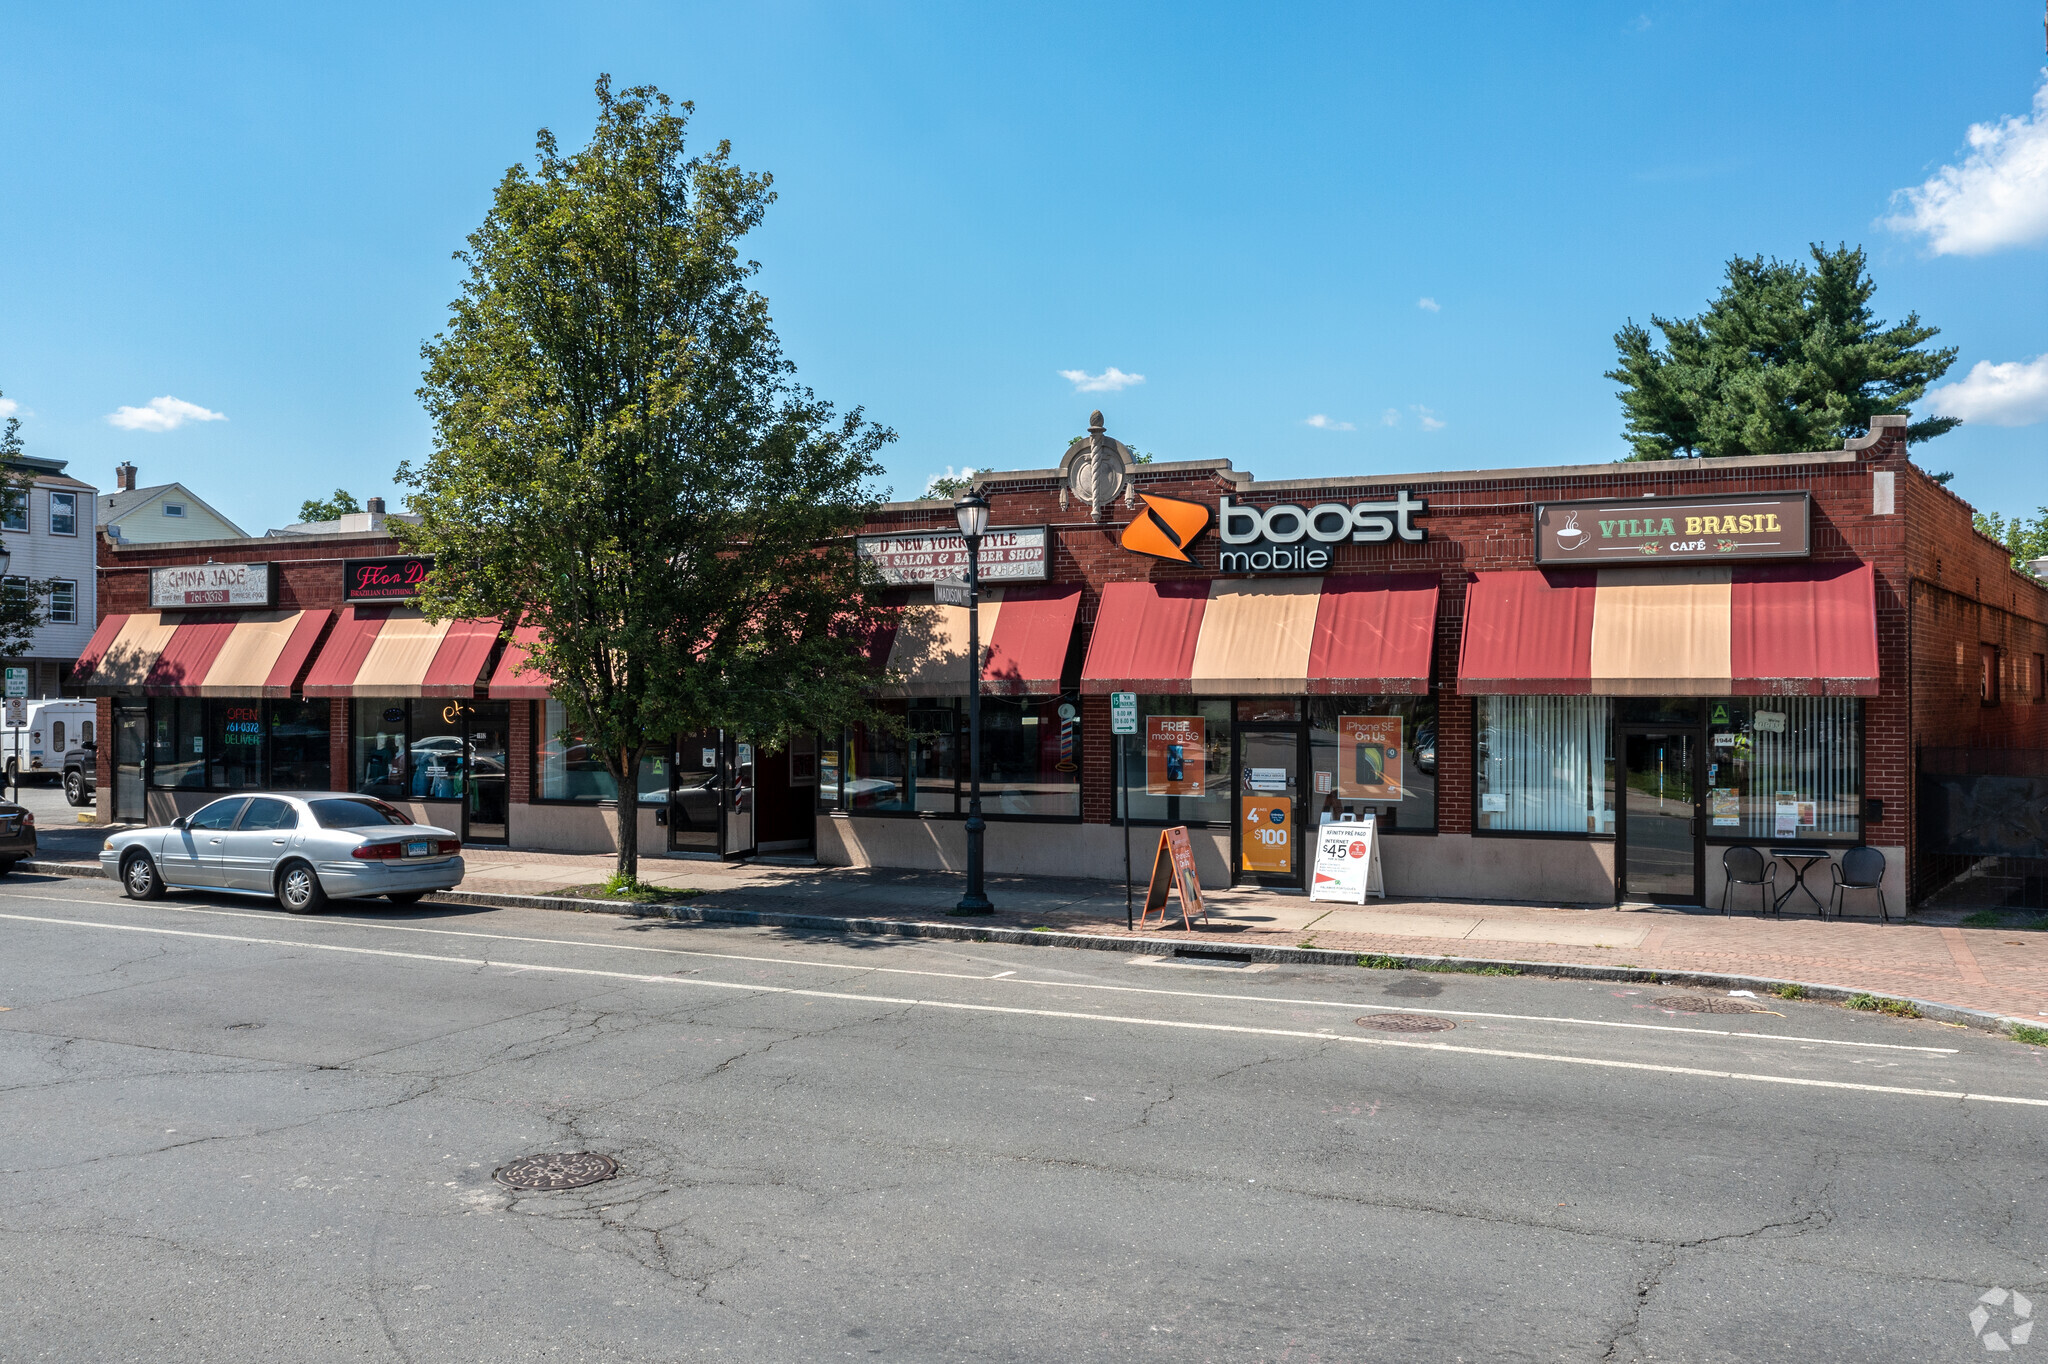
1983	835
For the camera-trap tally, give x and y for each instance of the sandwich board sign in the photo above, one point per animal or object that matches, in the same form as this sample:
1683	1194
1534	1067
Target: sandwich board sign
1173	869
1348	862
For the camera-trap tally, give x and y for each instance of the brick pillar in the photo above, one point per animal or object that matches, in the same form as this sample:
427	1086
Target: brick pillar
519	757
337	744
103	758
1098	762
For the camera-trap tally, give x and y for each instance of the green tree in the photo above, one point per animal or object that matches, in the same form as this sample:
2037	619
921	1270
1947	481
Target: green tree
21	599
2024	538
343	503
1787	358
624	458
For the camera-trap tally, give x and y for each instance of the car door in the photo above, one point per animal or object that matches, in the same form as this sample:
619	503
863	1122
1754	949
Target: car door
191	855
252	848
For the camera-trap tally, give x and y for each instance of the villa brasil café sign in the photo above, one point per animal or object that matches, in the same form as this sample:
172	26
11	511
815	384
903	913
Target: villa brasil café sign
1668	529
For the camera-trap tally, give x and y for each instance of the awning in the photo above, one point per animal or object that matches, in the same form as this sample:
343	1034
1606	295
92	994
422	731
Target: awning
1349	633
394	651
200	653
1025	635
514	680
1770	630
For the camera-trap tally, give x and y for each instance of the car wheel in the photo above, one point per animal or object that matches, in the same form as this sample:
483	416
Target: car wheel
406	897
139	878
74	788
298	890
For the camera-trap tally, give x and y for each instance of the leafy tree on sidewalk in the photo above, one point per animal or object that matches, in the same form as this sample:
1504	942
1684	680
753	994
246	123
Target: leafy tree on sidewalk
1787	358
21	599
624	458
343	503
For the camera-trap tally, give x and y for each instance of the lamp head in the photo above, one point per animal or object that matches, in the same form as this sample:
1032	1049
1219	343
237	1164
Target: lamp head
972	511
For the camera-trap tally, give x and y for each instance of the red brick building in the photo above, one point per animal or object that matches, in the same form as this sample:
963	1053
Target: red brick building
1688	656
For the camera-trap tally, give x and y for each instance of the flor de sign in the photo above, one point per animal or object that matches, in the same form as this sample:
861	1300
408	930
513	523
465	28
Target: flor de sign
1742	526
1291	539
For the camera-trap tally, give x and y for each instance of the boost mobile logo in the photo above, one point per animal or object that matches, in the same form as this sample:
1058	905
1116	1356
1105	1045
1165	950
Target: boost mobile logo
1166	528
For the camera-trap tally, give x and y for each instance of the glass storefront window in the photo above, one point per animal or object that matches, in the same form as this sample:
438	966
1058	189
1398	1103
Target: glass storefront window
1544	764
1030	757
434	766
177	743
1785	768
377	755
1030	760
569	769
1215	804
197	744
298	745
237	728
1373	755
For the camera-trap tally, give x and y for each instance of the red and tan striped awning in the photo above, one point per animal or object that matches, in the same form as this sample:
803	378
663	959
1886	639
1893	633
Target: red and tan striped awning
514	679
199	653
1769	630
1362	634
395	651
1025	633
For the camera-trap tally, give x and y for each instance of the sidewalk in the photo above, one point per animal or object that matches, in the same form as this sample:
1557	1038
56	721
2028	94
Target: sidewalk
2003	971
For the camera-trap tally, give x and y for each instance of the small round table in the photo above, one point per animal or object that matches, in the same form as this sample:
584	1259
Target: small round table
1800	860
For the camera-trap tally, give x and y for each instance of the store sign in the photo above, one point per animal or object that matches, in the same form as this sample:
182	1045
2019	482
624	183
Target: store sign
1174	755
1266	843
1347	862
188	587
385	579
1369	757
1290	539
1008	554
1166	528
1685	530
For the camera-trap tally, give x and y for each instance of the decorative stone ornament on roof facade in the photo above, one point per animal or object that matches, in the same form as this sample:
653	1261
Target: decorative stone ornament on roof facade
1095	469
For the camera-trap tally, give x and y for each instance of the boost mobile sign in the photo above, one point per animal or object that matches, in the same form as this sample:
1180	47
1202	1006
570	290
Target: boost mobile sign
1291	539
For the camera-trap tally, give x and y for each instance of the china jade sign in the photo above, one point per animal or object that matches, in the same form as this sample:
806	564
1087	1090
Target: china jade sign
1671	529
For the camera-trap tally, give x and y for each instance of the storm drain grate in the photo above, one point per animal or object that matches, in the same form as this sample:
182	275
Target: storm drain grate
557	1170
1704	1004
1406	1023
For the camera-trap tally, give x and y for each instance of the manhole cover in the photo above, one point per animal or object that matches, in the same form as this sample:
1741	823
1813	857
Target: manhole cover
557	1170
1406	1023
1704	1004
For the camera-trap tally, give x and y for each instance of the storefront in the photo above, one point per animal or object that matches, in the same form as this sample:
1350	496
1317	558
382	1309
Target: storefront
299	665
1574	684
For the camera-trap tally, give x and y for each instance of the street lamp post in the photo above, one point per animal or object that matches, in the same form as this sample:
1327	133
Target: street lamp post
972	511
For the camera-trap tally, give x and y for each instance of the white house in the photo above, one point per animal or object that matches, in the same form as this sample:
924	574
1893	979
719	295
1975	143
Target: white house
51	536
169	511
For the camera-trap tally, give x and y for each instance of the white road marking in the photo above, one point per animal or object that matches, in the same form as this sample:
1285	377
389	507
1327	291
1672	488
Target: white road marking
1010	1010
1045	984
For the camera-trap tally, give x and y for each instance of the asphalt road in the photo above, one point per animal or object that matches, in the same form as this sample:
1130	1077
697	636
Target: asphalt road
229	1134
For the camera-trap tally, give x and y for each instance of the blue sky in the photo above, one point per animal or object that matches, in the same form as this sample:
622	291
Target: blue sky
251	210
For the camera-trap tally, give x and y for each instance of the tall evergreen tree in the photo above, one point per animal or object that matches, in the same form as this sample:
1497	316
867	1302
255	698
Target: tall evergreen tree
1787	358
624	459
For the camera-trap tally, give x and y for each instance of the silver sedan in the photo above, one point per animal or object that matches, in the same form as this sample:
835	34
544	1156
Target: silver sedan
303	849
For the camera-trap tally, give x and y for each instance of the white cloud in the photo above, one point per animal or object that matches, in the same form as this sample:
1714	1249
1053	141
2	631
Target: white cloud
950	477
162	414
2012	394
1322	423
8	408
1427	416
1111	380
1997	197
1391	417
1429	305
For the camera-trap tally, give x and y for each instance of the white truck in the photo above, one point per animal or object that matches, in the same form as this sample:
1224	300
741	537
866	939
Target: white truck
54	727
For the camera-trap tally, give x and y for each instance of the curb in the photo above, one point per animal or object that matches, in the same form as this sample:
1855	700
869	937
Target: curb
1178	947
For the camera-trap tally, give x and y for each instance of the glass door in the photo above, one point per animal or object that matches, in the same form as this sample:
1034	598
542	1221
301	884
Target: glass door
1663	852
1268	843
486	750
131	748
739	800
694	798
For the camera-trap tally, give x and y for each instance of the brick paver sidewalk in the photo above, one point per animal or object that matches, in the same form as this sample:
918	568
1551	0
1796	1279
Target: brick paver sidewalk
2004	971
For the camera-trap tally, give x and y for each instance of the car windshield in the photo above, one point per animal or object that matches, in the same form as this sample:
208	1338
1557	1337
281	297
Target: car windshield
359	812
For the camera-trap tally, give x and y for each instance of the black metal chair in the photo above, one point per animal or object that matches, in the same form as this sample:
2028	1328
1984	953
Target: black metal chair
1748	867
1860	869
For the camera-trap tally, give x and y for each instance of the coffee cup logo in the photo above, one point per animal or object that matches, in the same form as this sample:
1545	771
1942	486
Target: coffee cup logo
1571	537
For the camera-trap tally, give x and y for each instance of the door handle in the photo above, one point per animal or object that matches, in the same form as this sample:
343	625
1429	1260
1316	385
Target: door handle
217	840
278	841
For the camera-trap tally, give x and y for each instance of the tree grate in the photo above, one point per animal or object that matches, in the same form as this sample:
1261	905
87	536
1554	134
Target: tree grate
1704	1004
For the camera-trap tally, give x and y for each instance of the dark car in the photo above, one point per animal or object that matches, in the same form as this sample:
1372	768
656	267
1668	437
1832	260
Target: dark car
17	835
81	773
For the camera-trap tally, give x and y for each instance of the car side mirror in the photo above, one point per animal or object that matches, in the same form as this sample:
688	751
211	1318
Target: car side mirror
181	822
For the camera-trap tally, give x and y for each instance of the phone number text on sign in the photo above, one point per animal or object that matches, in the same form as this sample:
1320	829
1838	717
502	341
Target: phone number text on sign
1008	554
